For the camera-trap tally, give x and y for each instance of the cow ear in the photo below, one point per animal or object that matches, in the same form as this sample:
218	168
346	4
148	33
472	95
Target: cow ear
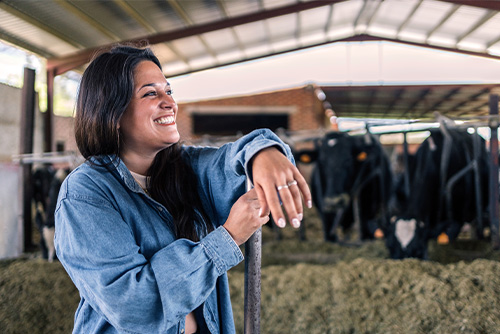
306	156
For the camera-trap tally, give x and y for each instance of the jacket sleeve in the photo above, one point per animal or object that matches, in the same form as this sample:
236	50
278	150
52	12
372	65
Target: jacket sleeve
99	250
222	172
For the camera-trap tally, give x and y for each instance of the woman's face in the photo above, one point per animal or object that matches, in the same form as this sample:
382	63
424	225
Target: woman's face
148	124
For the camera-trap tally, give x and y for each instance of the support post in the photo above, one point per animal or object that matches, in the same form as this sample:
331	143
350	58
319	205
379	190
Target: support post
253	257
495	240
26	146
48	116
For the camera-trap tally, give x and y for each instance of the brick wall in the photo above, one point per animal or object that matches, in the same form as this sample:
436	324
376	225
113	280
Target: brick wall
308	114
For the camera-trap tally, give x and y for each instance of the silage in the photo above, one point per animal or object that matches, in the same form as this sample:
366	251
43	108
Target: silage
377	296
307	287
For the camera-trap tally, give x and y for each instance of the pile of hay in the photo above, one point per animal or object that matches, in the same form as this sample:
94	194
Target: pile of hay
307	287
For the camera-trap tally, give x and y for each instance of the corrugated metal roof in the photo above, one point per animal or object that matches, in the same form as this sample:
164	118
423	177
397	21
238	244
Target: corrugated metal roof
197	34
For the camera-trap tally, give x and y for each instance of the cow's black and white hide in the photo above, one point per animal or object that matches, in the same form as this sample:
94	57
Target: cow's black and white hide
47	183
350	172
442	193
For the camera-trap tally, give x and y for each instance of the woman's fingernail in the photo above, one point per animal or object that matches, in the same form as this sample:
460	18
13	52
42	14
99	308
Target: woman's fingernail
296	223
309	204
300	216
260	212
281	222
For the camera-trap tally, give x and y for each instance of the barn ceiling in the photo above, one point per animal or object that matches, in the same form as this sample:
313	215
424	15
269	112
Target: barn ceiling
193	35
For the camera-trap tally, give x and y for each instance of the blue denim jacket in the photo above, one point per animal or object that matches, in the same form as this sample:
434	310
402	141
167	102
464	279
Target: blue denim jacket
116	244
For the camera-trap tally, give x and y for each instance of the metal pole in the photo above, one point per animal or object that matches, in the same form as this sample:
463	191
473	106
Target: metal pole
26	146
253	256
495	240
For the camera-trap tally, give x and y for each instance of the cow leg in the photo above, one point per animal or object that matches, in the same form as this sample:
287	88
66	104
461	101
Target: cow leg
48	236
329	226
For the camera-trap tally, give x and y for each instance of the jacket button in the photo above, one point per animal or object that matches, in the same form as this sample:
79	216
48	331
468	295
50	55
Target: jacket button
182	331
160	209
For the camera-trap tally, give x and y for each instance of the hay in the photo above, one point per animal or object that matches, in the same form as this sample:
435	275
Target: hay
307	287
377	296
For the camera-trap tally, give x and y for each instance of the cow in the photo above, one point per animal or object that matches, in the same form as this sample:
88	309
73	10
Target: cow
351	182
47	182
448	187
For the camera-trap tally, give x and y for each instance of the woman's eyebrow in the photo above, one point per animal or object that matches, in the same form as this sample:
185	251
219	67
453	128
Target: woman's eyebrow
153	84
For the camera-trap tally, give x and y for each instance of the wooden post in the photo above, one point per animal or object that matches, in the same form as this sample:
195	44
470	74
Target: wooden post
495	240
47	132
26	146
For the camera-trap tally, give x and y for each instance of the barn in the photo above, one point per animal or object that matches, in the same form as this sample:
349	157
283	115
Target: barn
390	134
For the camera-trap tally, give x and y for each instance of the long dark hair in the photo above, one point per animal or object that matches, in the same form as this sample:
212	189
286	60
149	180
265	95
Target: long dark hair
105	91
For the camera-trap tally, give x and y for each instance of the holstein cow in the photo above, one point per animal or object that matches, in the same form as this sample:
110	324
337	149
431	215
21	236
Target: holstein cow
445	177
350	182
47	183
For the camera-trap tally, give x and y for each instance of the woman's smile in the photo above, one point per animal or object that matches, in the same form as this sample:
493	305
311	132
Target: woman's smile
165	120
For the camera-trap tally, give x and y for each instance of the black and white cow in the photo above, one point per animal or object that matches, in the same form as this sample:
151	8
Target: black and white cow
47	182
351	182
442	192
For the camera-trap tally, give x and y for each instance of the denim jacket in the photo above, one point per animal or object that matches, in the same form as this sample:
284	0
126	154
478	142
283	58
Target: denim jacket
117	246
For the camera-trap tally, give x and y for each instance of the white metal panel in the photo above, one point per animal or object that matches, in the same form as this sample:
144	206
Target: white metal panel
314	19
281	26
425	19
189	46
202	61
270	4
230	56
220	40
489	31
390	16
174	67
33	35
258	50
251	33
241	7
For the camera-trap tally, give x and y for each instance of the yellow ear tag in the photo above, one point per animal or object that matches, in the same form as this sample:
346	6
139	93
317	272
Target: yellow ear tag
379	234
305	158
362	156
443	239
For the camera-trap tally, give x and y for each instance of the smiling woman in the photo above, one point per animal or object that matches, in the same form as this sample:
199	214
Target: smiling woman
147	228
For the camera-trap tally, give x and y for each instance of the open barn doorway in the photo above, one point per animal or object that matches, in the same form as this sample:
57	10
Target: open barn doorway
232	124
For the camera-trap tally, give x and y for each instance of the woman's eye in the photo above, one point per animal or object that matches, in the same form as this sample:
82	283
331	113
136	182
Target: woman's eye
169	92
151	93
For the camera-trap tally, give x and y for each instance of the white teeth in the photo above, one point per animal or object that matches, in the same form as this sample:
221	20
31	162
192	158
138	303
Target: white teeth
165	120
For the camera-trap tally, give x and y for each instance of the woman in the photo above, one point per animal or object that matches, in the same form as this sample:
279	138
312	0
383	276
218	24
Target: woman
147	228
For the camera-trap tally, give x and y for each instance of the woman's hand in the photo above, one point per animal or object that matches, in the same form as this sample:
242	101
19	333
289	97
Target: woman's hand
245	217
274	174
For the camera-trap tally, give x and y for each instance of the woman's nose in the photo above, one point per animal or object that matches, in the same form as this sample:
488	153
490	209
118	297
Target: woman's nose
167	100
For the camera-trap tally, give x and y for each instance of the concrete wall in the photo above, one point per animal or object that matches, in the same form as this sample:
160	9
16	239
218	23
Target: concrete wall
10	120
11	225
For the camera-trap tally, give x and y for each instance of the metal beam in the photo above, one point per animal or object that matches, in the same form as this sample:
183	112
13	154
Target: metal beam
487	4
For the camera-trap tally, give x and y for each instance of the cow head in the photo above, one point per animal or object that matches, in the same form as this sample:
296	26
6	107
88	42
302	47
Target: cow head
407	237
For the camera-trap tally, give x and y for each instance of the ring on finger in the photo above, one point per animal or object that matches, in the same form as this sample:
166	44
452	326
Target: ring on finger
282	187
292	183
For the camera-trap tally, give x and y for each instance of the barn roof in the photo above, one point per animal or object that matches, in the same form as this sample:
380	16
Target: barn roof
193	35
